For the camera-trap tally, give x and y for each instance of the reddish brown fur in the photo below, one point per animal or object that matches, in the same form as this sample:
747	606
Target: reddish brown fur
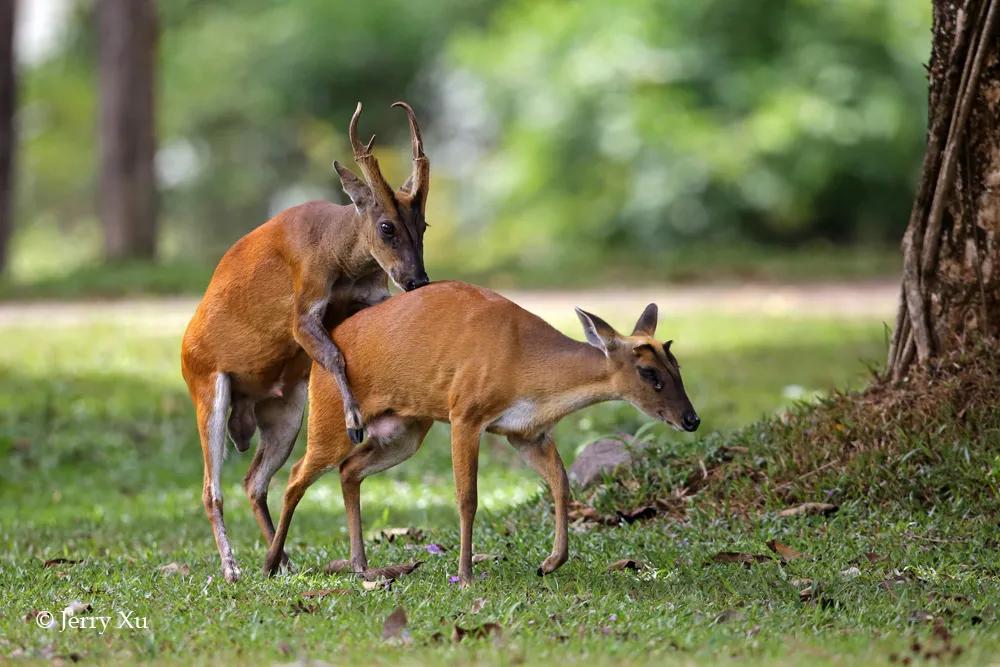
265	318
457	353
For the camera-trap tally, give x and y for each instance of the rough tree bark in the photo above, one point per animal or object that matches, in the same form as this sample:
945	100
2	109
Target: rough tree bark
128	32
951	248
8	129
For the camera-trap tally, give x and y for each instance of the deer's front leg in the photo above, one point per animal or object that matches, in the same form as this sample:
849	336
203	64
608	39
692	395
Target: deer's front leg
312	335
544	458
465	466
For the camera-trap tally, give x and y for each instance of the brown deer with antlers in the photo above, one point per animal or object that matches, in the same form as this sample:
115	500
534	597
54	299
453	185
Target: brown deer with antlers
267	313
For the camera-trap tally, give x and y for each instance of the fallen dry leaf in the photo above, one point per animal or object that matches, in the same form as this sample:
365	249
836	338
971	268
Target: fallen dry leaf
337	566
482	632
52	562
385	584
941	631
638	513
738	557
477	605
482	558
323	592
300	607
729	615
76	607
175	568
784	551
892	582
826	509
921	616
393	534
626	564
394	626
580	512
391	571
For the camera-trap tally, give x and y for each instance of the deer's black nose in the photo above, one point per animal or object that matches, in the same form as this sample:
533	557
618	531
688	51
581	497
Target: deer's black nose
414	283
690	421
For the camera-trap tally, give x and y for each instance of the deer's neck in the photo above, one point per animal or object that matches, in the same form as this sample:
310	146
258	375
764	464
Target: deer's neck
352	242
579	375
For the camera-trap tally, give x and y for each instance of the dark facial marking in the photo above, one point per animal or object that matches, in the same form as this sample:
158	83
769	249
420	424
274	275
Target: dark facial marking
652	376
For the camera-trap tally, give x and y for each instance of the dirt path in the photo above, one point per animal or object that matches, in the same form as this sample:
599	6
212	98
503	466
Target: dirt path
842	300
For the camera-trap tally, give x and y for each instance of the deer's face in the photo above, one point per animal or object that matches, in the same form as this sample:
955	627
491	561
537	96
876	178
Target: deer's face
396	241
393	221
650	379
644	371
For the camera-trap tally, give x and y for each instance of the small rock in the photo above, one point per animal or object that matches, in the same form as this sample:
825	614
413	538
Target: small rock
599	457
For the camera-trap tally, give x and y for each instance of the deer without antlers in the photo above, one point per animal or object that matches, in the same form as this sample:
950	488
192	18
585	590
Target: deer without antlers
457	353
266	313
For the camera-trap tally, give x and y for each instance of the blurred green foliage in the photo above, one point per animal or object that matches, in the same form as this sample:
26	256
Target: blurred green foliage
644	123
562	134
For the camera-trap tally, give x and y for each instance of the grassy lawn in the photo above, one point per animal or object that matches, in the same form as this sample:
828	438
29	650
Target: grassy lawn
103	466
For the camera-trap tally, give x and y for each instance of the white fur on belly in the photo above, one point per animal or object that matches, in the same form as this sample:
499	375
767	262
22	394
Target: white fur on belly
520	416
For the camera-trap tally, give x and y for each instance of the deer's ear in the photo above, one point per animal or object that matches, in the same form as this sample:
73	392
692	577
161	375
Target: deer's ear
646	326
599	333
356	189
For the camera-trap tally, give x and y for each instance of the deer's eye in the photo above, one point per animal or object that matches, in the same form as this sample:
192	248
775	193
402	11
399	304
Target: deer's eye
387	229
651	376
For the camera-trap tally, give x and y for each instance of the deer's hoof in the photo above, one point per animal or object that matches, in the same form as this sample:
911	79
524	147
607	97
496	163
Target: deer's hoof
551	564
231	572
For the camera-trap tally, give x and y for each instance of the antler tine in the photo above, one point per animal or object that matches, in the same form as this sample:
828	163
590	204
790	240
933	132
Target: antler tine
352	132
419	180
415	138
369	165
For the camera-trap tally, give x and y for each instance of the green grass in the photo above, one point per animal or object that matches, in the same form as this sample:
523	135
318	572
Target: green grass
102	464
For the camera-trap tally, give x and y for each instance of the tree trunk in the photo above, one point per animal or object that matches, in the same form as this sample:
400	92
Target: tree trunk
128	31
951	248
8	130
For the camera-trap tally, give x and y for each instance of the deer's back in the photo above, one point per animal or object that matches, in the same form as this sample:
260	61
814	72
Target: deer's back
244	321
419	353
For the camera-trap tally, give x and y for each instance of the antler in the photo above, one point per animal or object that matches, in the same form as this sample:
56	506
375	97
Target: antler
419	180
369	165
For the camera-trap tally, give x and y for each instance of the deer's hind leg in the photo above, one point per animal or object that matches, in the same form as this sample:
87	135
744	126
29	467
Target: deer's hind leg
327	447
544	458
391	441
211	395
280	420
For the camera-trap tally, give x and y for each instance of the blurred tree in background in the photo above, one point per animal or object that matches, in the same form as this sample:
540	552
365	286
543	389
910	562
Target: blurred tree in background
563	134
127	34
8	103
